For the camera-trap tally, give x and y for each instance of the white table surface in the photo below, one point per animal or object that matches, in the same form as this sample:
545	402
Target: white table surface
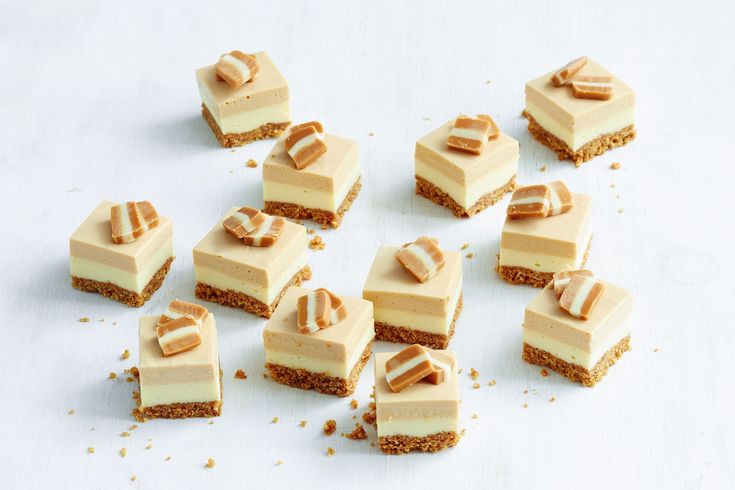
98	101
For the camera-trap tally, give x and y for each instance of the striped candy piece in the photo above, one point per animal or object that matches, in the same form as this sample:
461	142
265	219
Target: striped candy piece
561	279
245	220
494	131
581	295
531	201
407	367
236	68
178	335
442	365
314	309
339	310
316	124
567	72
597	88
560	199
304	145
177	309
422	258
267	233
469	134
130	220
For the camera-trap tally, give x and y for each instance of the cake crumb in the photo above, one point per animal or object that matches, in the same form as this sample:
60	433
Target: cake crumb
460	370
615	165
475	416
543	168
353	404
125	355
525	392
612	186
279	462
544	373
274	420
655	350
240	374
358	433
473	373
129	379
330	451
123	452
369	417
90	450
71	411
462	432
470	255
317	243
310	231
251	163
84	319
133	477
303	423
133	427
465	246
371	133
492	382
167	458
210	463
211	422
621	210
125	434
329	427
149	446
323	227
112	375
525	405
476	386
552	399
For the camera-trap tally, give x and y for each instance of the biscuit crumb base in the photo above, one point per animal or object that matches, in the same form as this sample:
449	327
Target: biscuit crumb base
117	293
245	302
594	148
269	130
321	216
575	372
309	380
405	335
426	189
178	410
537	279
399	444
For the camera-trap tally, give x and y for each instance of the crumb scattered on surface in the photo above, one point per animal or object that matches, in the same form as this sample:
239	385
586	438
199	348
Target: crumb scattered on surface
621	210
476	386
303	423
552	399
329	427
465	246
123	452
460	370
210	463
274	420
470	255
358	433
168	458
612	186
475	416
149	446
90	450
71	411
323	227
369	417
525	405
655	350
211	422
317	243
371	133
543	168
133	477
462	432
84	319
125	434
353	404
492	382
615	165
310	231
330	451
525	392
473	373
125	355
240	374
279	462
133	427
129	379
112	375
544	373
251	163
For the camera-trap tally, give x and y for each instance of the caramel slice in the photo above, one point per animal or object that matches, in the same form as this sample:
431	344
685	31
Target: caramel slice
442	365
245	220
567	72
130	220
314	310
581	295
315	124
597	88
531	201
560	199
494	131
267	233
177	309
408	367
339	310
561	279
304	146
178	335
469	134
236	68
422	258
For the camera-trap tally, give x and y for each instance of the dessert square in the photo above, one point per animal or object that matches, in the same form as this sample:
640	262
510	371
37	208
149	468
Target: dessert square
463	182
412	312
329	360
188	384
532	250
422	417
257	110
581	350
252	278
323	191
579	129
129	272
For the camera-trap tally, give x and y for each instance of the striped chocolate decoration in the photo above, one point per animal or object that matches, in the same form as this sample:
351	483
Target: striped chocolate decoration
422	258
581	295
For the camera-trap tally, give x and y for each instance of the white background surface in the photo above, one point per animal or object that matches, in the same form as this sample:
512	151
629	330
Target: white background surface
98	101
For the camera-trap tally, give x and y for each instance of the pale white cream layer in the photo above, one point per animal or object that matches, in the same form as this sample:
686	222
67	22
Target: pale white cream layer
310	198
576	139
316	365
420	427
467	197
538	262
132	281
266	295
245	121
416	321
201	391
572	354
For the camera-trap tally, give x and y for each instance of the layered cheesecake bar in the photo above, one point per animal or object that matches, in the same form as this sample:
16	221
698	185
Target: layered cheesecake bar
322	191
256	110
233	273
328	359
413	312
532	250
421	417
579	129
187	384
582	350
128	272
462	181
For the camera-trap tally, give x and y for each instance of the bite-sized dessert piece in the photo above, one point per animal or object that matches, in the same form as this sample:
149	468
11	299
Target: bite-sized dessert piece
583	332
466	165
319	341
122	251
253	272
416	400
244	98
533	249
311	175
179	371
410	311
580	111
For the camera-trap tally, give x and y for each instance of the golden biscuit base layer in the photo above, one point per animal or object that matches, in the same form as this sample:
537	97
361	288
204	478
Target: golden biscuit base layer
426	189
245	302
407	335
590	150
575	372
309	380
399	444
229	140
178	410
537	279
125	296
321	216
